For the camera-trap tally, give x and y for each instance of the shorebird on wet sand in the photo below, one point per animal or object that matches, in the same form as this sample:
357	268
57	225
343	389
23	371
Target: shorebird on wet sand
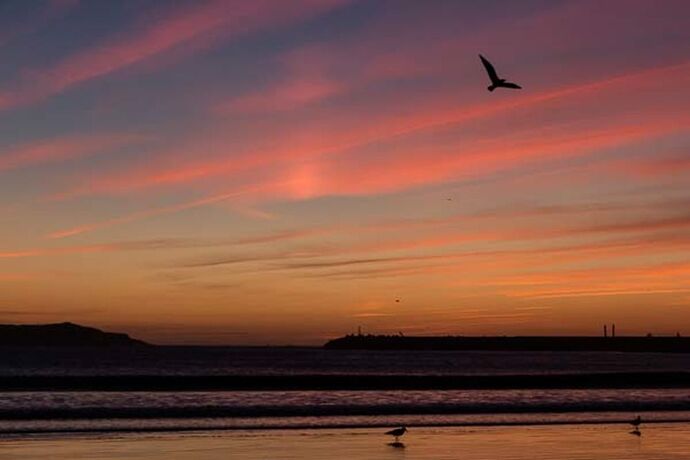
397	433
637	421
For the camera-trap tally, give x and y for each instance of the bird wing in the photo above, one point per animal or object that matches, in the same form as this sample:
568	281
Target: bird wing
510	85
489	69
391	432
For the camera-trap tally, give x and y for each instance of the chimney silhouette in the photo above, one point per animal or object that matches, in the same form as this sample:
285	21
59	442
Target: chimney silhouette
613	330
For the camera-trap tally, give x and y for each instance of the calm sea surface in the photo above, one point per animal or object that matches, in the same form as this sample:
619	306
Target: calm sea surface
290	361
31	412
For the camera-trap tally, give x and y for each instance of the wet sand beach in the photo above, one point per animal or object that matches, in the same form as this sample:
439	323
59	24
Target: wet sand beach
561	442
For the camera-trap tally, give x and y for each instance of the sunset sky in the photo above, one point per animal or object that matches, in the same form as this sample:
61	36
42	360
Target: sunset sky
281	172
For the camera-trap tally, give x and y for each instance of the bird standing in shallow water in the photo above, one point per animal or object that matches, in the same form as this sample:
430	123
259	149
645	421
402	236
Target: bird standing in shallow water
397	432
496	82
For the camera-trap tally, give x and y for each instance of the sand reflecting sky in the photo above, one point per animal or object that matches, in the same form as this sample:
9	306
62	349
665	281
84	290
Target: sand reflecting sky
569	442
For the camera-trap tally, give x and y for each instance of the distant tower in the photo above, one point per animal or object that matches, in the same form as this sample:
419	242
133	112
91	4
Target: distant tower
613	330
359	330
606	334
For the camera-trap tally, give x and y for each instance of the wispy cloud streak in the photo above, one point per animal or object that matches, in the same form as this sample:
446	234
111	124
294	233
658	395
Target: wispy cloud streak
63	148
347	140
210	22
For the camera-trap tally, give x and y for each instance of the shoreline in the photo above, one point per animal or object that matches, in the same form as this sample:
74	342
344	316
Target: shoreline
620	419
22	428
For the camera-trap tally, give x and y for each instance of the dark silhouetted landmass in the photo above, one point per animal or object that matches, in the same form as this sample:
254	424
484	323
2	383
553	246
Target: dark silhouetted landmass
61	335
617	344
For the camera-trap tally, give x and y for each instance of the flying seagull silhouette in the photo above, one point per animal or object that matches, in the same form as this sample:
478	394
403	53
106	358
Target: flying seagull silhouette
495	81
397	432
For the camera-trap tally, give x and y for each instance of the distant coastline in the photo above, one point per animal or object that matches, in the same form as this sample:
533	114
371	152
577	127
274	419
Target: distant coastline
526	343
62	335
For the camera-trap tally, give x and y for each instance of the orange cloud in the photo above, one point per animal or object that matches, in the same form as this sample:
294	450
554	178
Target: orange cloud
544	242
39	252
615	289
16	276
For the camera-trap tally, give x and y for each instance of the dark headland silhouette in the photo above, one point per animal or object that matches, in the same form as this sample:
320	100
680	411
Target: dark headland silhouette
62	335
496	81
533	343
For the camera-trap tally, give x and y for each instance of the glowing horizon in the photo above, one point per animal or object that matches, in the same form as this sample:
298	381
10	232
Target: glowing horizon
273	172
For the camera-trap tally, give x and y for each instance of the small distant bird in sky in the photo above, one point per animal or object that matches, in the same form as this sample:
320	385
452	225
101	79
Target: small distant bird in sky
496	82
397	432
397	300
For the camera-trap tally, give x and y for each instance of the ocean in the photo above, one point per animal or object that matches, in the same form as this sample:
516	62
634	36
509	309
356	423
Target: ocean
33	402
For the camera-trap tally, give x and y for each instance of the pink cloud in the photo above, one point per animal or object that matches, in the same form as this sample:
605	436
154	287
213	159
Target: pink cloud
306	78
384	50
136	216
63	148
662	166
340	134
405	169
209	22
292	93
